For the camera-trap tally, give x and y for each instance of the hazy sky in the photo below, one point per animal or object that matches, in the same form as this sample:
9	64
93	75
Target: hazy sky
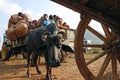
35	8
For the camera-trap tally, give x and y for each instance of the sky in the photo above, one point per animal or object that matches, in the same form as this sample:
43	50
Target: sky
36	9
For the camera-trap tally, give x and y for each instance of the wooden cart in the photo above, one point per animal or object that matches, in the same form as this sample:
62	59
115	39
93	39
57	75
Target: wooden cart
15	47
107	12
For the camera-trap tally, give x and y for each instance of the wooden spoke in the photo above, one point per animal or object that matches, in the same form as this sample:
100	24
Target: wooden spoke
80	60
104	65
96	57
114	67
94	45
97	34
106	31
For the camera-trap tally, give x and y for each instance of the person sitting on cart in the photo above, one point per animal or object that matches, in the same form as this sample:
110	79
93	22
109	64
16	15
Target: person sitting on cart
45	22
40	21
14	19
59	23
65	26
55	18
33	25
51	19
25	17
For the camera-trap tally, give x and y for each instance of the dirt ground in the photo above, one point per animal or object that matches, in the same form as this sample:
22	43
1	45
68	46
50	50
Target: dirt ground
16	70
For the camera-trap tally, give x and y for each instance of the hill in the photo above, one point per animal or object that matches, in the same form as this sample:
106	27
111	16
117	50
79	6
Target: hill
90	36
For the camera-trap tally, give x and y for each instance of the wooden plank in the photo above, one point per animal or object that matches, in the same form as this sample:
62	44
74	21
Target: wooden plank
99	16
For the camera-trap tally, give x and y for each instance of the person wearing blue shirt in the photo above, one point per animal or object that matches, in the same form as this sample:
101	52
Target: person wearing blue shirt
46	22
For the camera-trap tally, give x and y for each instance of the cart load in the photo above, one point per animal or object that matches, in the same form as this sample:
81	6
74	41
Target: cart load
10	33
13	20
16	27
21	28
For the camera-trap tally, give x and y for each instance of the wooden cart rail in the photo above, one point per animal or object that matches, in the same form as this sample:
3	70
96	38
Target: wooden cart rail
71	34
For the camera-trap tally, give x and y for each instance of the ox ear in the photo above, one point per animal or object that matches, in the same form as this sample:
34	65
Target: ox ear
67	48
45	35
62	34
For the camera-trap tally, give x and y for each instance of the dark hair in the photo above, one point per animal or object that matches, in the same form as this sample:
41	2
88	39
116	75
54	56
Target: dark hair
45	15
20	13
50	17
54	16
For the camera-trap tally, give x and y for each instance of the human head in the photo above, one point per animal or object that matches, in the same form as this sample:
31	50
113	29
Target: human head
68	26
45	16
35	22
64	24
50	17
41	19
20	14
60	20
54	16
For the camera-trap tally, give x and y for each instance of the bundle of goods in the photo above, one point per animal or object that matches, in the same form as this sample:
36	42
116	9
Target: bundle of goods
21	28
13	20
10	33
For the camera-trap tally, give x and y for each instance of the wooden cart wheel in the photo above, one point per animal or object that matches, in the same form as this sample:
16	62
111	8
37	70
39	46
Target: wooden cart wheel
110	54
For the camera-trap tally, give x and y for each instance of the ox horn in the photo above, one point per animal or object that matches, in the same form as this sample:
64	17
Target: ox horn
62	35
45	35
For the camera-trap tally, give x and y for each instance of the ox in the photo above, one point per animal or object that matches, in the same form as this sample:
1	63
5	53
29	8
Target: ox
45	40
